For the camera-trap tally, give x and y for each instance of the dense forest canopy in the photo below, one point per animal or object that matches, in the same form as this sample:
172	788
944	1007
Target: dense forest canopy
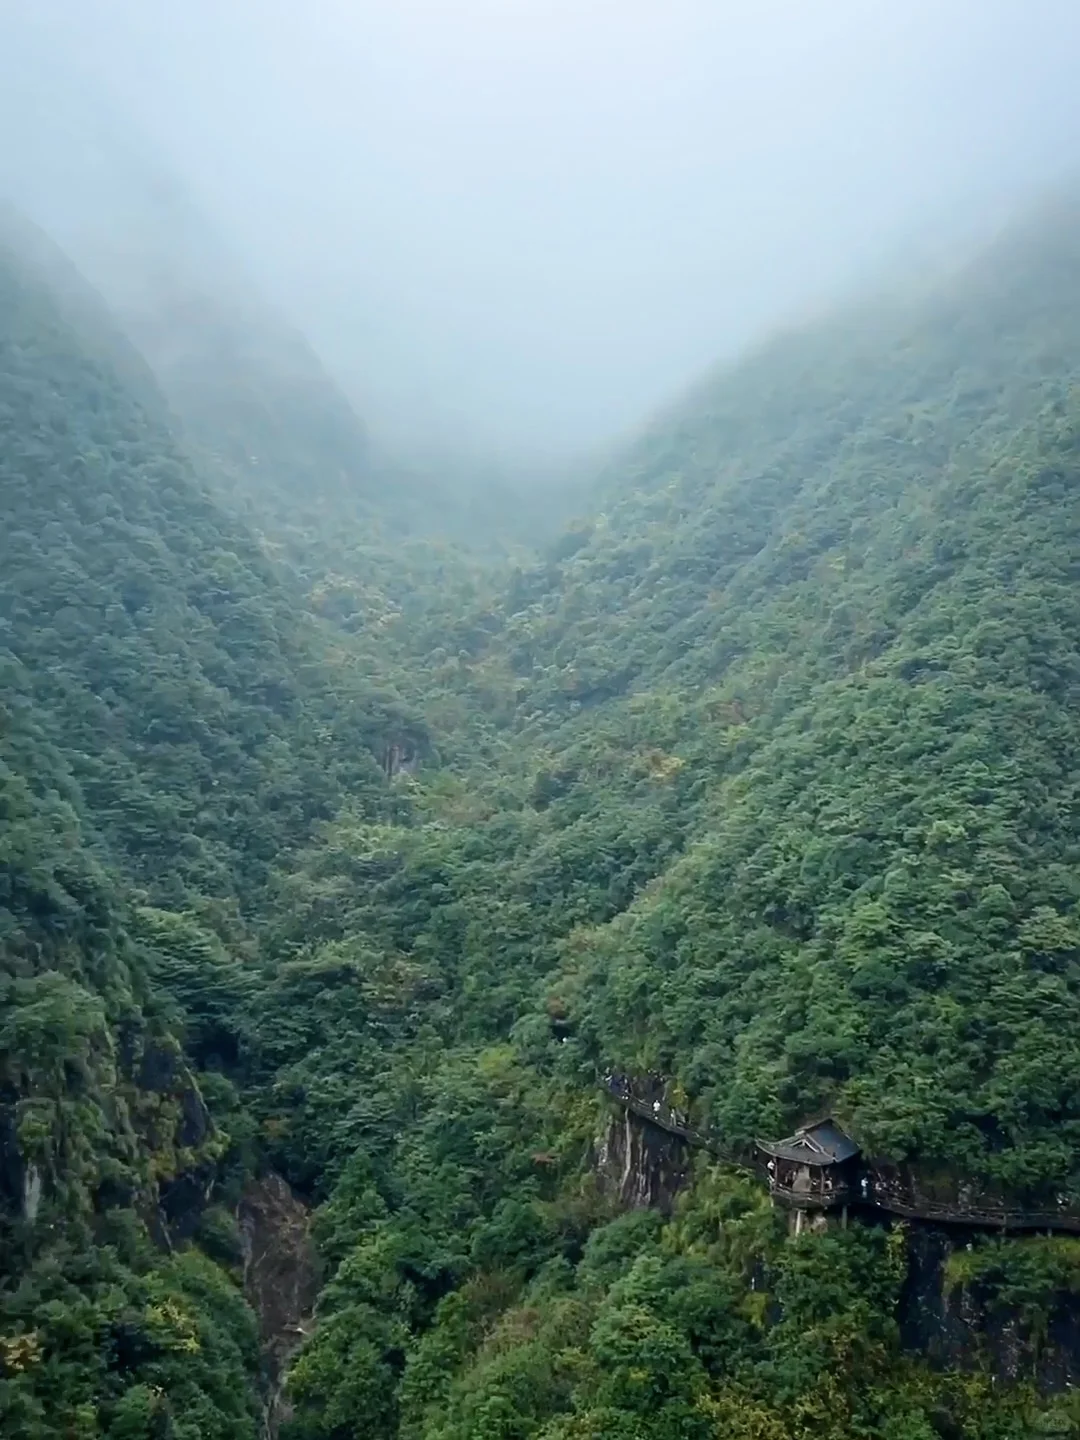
340	847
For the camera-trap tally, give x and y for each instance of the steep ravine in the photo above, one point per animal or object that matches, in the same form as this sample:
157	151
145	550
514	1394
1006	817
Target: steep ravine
281	1281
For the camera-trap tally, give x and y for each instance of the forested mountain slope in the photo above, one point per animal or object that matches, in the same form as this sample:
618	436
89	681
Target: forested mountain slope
828	443
764	778
133	606
771	787
172	726
843	582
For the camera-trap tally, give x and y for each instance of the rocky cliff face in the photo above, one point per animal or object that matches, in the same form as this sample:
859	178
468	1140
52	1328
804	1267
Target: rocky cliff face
987	1325
281	1280
156	1147
640	1165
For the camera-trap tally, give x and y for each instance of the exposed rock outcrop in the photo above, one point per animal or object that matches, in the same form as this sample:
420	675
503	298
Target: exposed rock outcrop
400	758
640	1165
12	1167
969	1326
281	1280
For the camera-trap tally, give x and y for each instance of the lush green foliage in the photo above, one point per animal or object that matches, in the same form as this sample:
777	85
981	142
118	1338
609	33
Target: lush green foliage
764	777
170	727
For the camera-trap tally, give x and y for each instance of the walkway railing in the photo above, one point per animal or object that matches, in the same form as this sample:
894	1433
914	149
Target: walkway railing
666	1117
878	1194
978	1217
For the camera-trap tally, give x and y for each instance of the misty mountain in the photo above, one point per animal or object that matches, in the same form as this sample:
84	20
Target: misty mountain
251	394
830	441
353	876
480	262
836	592
267	422
248	388
128	590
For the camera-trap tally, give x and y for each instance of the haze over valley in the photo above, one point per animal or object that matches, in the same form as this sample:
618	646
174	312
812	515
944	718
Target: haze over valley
539	721
515	228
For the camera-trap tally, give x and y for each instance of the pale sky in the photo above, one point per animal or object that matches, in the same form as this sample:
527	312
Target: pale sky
527	223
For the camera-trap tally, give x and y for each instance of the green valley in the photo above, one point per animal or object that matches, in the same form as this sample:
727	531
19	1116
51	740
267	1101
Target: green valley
346	843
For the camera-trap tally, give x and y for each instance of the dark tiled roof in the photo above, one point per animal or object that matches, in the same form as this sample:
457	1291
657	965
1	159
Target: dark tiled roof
823	1143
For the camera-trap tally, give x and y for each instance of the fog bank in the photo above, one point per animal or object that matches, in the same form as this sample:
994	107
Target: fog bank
522	225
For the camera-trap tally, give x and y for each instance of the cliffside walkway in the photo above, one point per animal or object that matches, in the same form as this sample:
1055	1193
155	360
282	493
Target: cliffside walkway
978	1217
664	1118
881	1194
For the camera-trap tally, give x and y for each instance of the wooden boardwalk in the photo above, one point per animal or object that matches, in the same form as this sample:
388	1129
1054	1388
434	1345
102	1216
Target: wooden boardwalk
881	1193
